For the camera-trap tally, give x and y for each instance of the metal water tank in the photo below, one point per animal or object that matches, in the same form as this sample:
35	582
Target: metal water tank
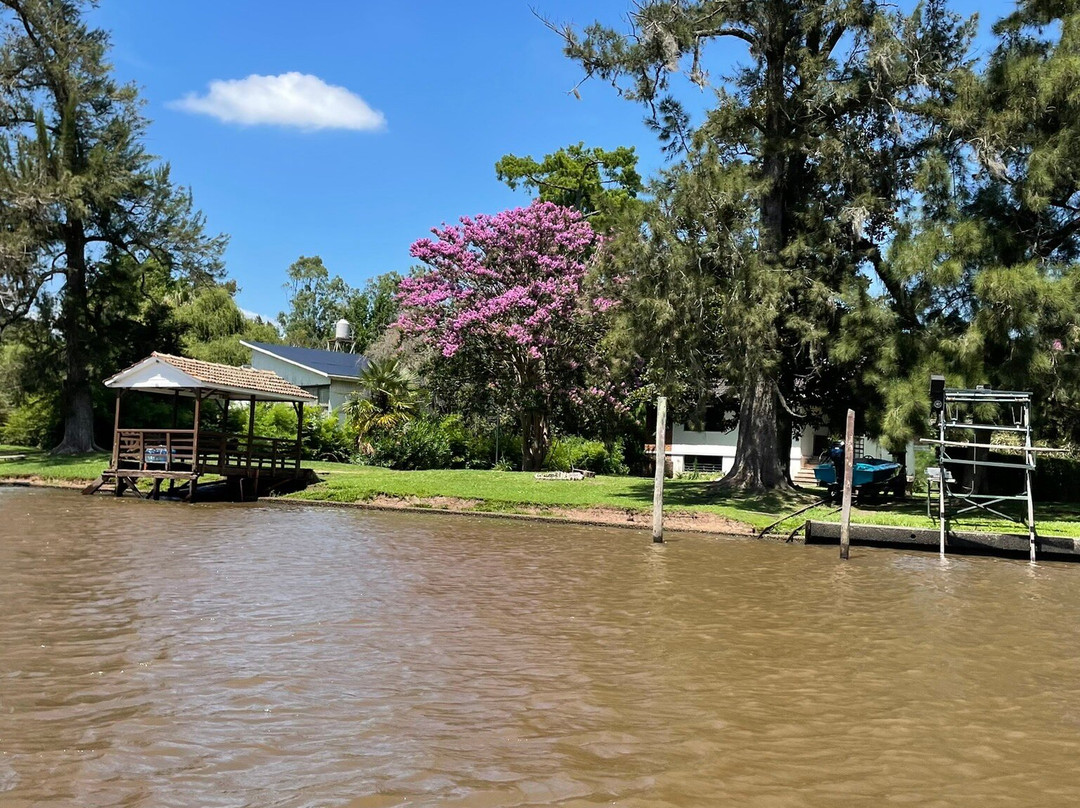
343	330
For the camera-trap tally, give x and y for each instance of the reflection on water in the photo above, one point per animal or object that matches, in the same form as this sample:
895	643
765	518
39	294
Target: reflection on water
154	654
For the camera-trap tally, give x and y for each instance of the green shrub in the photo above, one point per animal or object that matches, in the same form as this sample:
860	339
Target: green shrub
571	452
1056	479
924	458
324	437
509	452
272	420
419	444
36	422
327	438
431	442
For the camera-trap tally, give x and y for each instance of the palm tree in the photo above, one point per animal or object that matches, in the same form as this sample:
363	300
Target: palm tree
387	400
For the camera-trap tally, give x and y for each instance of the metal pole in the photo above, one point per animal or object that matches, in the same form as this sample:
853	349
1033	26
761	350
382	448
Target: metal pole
849	470
1029	461
661	462
942	527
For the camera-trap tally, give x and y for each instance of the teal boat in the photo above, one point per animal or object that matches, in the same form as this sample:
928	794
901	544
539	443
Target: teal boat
866	471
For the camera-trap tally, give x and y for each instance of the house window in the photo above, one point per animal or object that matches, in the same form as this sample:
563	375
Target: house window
321	391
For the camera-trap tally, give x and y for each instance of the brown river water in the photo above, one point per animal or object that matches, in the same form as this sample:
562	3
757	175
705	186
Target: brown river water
157	654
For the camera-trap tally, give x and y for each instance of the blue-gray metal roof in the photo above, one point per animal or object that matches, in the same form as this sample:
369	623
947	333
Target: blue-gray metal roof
332	363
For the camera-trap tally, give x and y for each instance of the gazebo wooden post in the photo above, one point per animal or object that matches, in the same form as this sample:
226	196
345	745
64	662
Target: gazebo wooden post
251	429
116	432
299	433
194	484
175	425
195	425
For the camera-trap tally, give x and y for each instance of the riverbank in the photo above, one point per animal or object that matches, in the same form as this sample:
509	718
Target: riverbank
697	505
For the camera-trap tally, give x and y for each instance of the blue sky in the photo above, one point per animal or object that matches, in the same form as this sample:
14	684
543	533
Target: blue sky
455	84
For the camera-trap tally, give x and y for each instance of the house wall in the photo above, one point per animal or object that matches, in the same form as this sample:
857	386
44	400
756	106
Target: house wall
332	393
340	391
288	371
315	383
688	447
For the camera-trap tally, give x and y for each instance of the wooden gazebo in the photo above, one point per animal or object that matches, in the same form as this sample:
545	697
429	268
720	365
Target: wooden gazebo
185	455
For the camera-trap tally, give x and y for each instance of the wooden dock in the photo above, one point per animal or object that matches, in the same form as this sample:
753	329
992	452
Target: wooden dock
1009	545
250	465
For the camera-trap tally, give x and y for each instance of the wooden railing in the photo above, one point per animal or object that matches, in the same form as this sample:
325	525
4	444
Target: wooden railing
221	452
216	453
156	449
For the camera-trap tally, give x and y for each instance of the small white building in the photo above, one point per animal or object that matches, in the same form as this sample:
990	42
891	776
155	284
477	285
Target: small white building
710	451
331	376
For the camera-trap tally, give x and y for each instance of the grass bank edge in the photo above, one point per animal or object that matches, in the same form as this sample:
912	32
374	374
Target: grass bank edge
516	492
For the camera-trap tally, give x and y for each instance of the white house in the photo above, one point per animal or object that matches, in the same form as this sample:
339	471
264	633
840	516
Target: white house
331	376
709	451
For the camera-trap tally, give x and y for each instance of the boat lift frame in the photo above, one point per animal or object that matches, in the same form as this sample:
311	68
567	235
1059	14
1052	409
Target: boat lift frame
948	404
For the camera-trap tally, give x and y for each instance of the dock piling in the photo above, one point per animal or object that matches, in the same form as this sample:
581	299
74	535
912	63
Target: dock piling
849	469
661	463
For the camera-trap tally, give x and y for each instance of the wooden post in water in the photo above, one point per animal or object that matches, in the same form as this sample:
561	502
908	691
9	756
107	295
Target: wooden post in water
849	469
661	463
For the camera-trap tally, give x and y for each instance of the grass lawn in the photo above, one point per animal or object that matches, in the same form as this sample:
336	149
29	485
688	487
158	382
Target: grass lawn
69	468
510	492
507	491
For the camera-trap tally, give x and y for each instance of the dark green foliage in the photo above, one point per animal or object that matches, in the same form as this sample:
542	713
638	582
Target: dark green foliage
314	303
603	185
781	200
327	438
425	442
433	442
211	326
86	208
982	278
372	309
1057	479
386	400
318	300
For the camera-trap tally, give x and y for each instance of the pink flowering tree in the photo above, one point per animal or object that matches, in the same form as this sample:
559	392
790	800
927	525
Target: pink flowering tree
504	302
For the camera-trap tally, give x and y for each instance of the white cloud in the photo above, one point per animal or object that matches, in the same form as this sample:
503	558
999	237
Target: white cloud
254	315
291	99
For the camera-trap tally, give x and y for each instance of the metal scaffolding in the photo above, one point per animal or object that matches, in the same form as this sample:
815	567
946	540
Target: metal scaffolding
967	420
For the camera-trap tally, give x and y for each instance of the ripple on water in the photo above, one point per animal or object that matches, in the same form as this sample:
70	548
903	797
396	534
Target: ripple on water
167	655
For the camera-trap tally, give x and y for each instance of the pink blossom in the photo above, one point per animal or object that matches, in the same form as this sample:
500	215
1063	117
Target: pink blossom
513	286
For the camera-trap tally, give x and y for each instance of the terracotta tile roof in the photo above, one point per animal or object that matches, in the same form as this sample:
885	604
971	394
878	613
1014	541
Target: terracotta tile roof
212	374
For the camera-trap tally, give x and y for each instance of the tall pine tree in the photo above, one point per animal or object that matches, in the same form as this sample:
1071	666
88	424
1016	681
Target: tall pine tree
984	280
787	192
78	191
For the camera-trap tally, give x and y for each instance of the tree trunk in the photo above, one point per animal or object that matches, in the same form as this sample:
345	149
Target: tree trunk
534	440
757	454
78	398
758	465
